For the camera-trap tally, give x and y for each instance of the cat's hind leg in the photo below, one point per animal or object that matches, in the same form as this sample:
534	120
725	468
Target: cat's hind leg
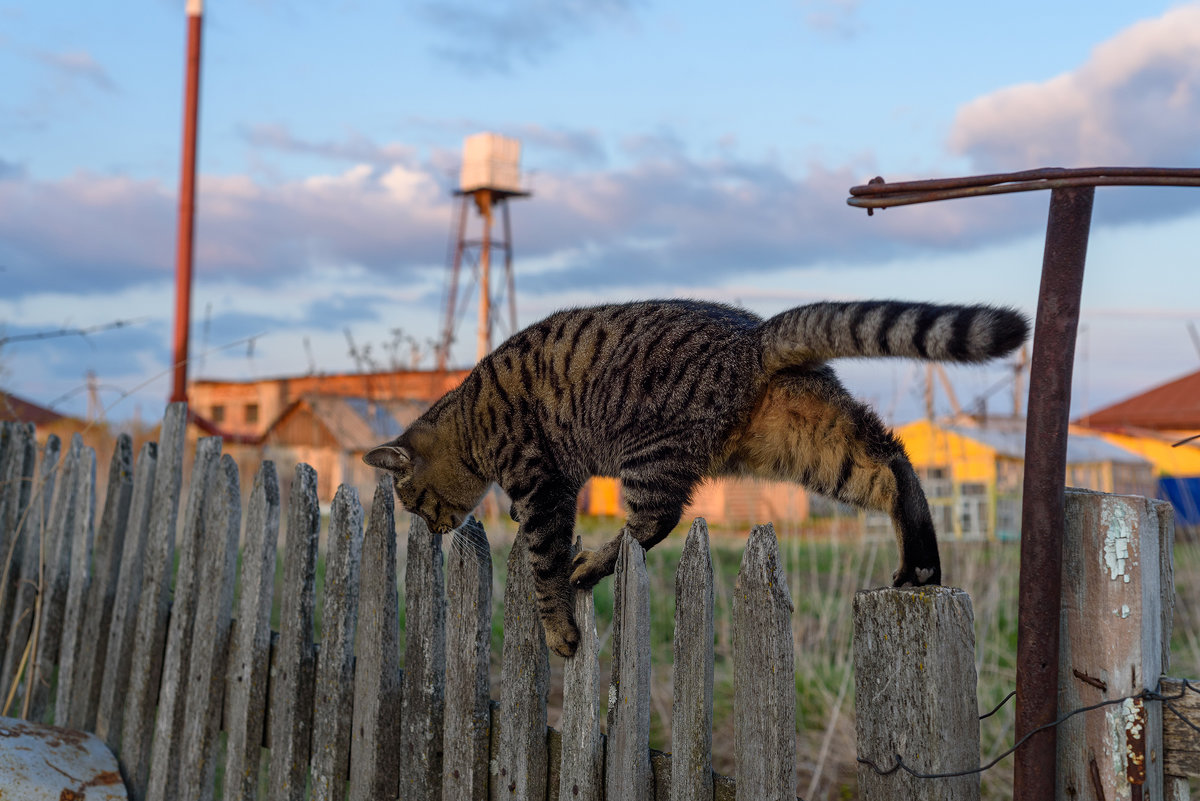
808	429
547	521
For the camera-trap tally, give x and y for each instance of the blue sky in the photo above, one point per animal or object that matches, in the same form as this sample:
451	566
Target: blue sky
674	149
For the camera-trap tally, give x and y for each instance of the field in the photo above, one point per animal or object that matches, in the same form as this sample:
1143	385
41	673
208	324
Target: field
826	563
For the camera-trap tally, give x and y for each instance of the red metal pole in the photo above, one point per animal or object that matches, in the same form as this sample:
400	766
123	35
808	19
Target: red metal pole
187	204
1042	513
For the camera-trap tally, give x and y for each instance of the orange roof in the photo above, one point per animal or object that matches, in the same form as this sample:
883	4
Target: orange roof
14	408
1174	406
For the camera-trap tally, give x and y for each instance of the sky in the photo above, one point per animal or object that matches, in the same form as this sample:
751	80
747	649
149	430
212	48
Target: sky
673	149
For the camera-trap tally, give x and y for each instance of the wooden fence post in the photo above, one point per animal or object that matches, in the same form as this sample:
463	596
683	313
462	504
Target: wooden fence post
374	772
115	678
424	666
518	766
18	453
691	709
81	533
167	744
1112	647
291	703
333	714
628	758
110	539
216	567
468	651
250	639
145	669
581	769
915	696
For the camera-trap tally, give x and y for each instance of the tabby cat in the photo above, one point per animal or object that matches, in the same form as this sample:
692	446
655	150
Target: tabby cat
662	394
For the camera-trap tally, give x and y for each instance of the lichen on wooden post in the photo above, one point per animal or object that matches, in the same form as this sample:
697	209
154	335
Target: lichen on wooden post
915	696
692	680
468	651
764	672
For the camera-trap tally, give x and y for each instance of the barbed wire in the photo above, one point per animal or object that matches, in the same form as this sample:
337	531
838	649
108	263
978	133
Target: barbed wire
1144	695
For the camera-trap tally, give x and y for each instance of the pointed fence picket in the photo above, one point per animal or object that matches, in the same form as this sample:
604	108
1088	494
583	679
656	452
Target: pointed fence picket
158	661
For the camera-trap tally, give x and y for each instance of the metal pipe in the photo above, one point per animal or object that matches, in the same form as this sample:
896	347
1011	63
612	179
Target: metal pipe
483	198
926	195
187	204
1042	512
879	187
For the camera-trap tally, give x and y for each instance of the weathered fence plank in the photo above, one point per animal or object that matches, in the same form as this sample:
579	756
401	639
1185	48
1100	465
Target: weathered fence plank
691	708
424	666
106	557
914	681
250	640
55	579
628	756
468	648
377	680
145	667
27	574
291	703
333	714
167	747
216	565
1181	747
1111	646
581	766
118	655
764	672
518	766
18	451
81	533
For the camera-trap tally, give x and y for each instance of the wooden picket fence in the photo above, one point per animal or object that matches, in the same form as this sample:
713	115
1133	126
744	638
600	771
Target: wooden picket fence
155	658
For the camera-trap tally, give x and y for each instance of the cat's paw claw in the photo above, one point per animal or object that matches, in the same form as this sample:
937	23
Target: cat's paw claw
585	570
918	577
563	639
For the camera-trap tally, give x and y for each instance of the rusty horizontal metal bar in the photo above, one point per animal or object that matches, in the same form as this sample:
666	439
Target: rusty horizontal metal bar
879	194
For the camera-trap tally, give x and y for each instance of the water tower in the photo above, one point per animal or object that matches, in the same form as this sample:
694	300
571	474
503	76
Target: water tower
490	177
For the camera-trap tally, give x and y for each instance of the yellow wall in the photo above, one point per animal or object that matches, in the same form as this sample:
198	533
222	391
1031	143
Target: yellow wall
1168	461
931	446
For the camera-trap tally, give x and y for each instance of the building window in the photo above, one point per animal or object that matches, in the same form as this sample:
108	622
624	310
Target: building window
251	413
218	413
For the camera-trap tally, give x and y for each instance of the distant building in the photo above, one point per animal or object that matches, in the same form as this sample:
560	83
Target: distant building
1151	424
973	474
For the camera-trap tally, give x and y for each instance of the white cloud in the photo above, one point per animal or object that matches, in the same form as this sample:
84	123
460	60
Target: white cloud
1135	102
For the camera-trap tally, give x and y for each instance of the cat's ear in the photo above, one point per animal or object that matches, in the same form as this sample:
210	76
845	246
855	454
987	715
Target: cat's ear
390	457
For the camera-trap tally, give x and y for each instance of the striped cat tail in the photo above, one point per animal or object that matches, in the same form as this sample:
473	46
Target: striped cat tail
822	331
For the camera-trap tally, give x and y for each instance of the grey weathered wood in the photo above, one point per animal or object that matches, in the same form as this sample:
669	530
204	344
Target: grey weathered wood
373	769
250	640
332	716
110	712
106	558
518	766
764	672
19	624
1112	631
692	678
1176	789
150	632
914	682
216	567
1165	513
468	651
424	666
18	452
1181	743
55	580
581	767
628	756
82	533
291	702
167	748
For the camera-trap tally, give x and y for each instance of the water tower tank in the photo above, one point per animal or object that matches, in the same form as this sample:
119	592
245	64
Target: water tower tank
491	161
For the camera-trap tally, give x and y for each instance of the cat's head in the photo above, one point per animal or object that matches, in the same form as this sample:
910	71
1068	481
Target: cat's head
430	477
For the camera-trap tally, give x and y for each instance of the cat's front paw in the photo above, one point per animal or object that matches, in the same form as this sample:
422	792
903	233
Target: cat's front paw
587	568
907	576
562	637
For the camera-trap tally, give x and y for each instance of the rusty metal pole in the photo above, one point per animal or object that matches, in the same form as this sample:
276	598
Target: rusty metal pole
483	198
187	204
1045	471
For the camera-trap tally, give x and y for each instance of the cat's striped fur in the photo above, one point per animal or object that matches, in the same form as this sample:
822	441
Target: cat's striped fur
662	394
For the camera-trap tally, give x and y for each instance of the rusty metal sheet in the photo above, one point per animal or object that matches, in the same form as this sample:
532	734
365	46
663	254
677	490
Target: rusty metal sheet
46	763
